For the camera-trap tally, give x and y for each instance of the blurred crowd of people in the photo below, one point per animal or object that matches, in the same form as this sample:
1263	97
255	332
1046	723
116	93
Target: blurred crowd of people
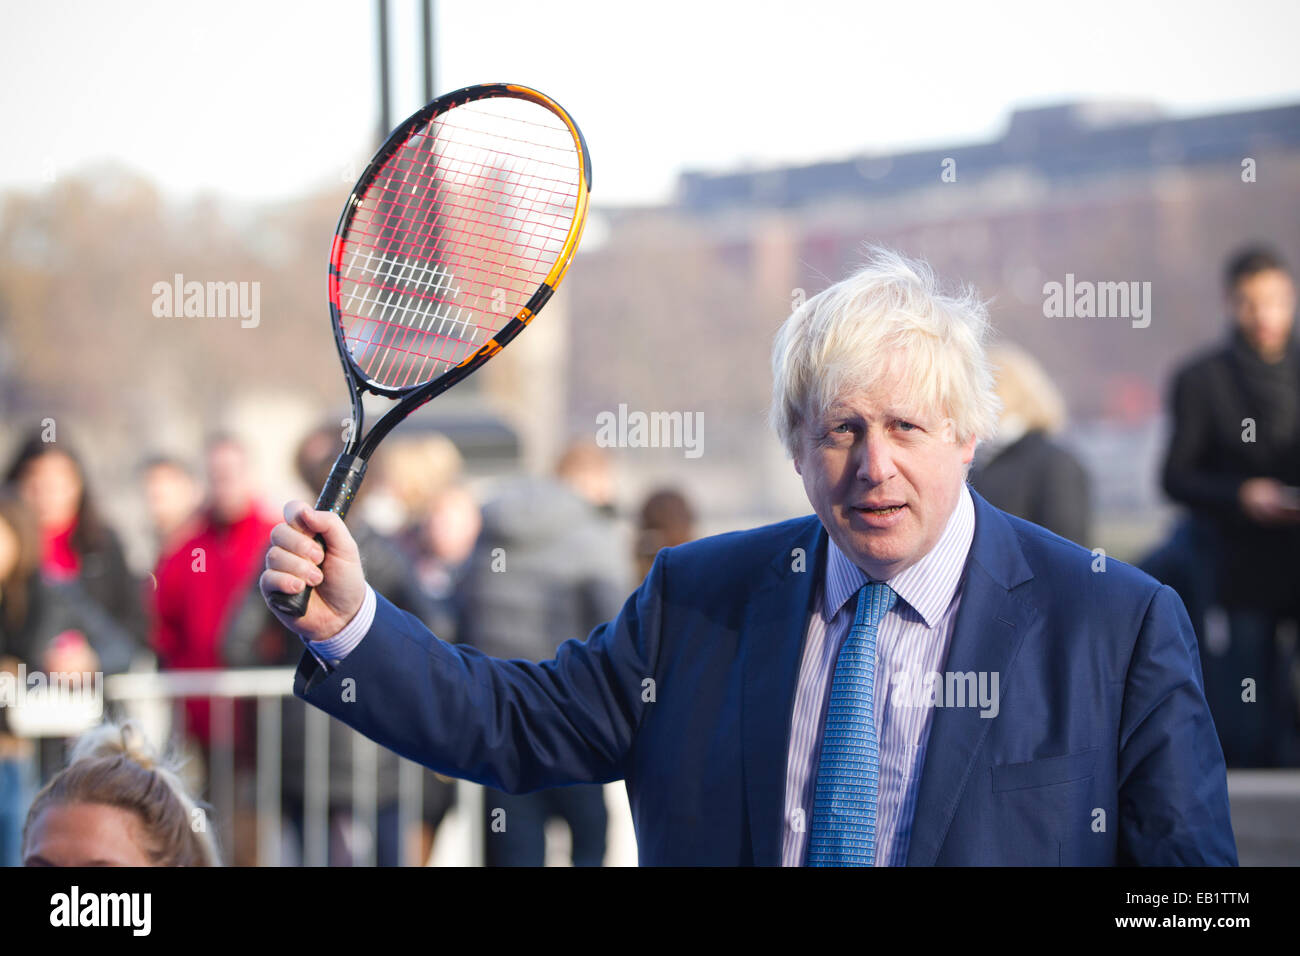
542	562
1233	465
1233	462
70	603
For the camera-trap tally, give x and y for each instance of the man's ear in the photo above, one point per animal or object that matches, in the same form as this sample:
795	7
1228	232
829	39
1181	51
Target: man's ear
968	450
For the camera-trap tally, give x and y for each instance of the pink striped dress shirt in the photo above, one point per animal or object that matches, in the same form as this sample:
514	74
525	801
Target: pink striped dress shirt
912	641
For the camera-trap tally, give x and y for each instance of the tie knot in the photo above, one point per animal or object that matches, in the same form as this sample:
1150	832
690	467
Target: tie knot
874	600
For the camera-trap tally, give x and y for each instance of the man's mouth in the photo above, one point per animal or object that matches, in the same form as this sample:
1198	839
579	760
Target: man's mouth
880	509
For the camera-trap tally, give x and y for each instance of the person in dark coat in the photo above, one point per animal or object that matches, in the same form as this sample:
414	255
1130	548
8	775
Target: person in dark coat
438	542
547	566
1234	461
46	626
77	545
1023	470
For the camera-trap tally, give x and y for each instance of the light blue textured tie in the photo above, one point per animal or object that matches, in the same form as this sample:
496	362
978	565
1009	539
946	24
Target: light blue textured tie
843	831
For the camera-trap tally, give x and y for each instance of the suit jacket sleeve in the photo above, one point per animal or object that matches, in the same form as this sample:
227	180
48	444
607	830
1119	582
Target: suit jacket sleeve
514	725
1173	793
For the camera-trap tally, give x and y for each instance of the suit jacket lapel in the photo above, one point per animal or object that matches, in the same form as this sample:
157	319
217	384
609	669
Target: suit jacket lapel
991	624
775	624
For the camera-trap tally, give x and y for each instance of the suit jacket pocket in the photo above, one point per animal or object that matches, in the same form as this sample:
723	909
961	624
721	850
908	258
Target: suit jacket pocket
1045	771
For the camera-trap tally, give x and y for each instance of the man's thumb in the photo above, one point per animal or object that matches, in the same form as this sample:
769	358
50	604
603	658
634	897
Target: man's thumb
328	525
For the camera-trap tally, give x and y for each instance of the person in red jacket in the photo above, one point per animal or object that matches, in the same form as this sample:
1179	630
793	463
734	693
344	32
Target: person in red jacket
202	581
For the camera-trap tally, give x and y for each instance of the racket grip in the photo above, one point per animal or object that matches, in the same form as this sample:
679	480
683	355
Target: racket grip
337	496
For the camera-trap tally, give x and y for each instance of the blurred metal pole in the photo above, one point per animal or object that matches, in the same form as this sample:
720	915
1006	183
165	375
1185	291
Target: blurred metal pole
365	803
268	781
410	810
429	37
222	748
316	789
469	801
385	124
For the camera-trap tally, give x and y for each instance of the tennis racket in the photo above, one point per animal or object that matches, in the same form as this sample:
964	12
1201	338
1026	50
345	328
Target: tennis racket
454	237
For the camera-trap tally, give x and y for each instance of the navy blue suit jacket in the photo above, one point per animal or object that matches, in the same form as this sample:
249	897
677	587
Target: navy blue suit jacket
1102	751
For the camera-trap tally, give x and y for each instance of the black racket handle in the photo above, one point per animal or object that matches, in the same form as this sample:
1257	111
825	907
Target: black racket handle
337	496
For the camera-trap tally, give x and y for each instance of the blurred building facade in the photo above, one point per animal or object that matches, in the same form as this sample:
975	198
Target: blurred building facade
677	307
667	309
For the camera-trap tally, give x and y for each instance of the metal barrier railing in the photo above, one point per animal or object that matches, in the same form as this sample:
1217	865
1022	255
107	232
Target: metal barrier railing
268	687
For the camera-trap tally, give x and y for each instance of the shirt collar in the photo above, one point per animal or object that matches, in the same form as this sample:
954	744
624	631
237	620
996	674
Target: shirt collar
927	586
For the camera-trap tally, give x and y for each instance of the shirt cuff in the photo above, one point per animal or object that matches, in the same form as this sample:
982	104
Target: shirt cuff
331	652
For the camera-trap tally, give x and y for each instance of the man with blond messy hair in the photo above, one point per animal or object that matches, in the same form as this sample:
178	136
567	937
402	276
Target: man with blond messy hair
908	677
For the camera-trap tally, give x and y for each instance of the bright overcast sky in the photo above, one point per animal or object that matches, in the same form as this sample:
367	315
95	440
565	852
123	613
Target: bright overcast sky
263	99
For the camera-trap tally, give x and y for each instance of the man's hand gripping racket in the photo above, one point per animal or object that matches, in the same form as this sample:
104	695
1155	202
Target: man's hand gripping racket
452	240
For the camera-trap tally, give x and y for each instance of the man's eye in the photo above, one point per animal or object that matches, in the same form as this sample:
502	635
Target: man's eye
841	429
905	426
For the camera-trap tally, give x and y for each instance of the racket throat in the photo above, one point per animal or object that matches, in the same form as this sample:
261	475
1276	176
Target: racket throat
342	485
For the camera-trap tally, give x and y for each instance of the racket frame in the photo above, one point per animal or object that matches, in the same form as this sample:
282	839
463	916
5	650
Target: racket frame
350	468
411	397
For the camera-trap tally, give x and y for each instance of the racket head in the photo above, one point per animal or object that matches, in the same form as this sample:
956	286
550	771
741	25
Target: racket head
456	234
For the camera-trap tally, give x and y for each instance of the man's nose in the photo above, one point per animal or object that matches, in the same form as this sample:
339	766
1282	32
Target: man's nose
875	461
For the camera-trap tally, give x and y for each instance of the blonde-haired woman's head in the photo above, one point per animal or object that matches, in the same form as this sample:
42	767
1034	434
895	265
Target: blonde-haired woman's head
417	470
116	804
1030	402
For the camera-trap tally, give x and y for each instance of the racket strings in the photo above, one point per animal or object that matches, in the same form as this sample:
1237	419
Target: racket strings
456	231
461	225
411	302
